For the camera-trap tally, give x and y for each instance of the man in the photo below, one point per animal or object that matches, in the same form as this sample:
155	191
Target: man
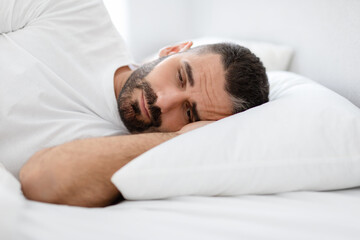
68	77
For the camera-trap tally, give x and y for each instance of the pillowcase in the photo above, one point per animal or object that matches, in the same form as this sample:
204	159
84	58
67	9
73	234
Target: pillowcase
305	138
275	57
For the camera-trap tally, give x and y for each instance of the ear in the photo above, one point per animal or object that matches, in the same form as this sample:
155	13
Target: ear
181	47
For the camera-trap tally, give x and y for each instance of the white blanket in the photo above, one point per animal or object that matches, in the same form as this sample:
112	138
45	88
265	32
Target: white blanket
299	215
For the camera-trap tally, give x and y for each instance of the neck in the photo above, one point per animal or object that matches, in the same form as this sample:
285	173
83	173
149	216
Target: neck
120	77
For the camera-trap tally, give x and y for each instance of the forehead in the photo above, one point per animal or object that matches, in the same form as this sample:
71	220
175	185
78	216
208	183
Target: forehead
208	91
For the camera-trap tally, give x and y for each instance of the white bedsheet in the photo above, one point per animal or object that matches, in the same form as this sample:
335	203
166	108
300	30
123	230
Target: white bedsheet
298	215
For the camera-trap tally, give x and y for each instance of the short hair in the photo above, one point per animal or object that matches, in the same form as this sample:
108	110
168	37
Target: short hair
245	75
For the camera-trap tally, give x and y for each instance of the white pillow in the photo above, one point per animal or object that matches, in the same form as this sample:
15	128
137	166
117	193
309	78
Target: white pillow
275	57
306	138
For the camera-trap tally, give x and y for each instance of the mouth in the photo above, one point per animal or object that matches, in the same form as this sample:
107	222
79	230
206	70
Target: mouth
143	106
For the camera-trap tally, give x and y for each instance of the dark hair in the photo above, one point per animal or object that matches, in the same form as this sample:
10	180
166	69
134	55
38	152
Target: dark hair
245	75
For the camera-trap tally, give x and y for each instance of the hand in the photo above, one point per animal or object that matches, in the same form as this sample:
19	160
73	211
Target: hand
192	126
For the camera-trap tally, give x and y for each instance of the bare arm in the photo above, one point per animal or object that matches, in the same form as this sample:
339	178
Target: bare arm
79	172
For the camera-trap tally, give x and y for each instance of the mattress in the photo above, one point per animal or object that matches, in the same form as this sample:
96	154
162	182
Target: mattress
295	215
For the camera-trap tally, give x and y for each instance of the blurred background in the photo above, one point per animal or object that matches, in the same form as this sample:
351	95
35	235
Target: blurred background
149	25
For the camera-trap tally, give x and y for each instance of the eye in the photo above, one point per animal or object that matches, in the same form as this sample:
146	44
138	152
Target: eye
188	112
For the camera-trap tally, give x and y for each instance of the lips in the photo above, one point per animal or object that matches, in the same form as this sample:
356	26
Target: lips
143	107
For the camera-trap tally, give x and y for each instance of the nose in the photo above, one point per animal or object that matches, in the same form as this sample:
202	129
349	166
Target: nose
170	100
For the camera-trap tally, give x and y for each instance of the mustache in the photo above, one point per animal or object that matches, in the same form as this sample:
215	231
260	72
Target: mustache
129	108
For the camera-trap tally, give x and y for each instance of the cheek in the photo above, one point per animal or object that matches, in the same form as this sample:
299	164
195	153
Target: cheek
161	75
159	84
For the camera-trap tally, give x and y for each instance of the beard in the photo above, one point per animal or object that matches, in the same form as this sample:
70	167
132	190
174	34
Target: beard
129	109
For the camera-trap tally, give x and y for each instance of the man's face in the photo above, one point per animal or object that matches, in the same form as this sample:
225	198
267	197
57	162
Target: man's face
166	95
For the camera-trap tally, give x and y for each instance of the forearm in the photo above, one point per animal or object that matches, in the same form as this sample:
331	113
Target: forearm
79	172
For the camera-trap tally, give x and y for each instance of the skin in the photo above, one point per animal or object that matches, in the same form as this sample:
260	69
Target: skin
176	96
79	172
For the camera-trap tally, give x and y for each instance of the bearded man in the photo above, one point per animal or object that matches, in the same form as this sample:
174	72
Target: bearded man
74	109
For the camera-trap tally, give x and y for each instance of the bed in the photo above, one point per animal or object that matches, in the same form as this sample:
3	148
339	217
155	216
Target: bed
302	215
296	215
325	40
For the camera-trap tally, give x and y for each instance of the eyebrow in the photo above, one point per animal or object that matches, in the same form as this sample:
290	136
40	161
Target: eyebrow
189	73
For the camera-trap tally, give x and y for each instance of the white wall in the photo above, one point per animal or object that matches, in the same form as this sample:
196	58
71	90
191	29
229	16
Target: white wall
149	25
